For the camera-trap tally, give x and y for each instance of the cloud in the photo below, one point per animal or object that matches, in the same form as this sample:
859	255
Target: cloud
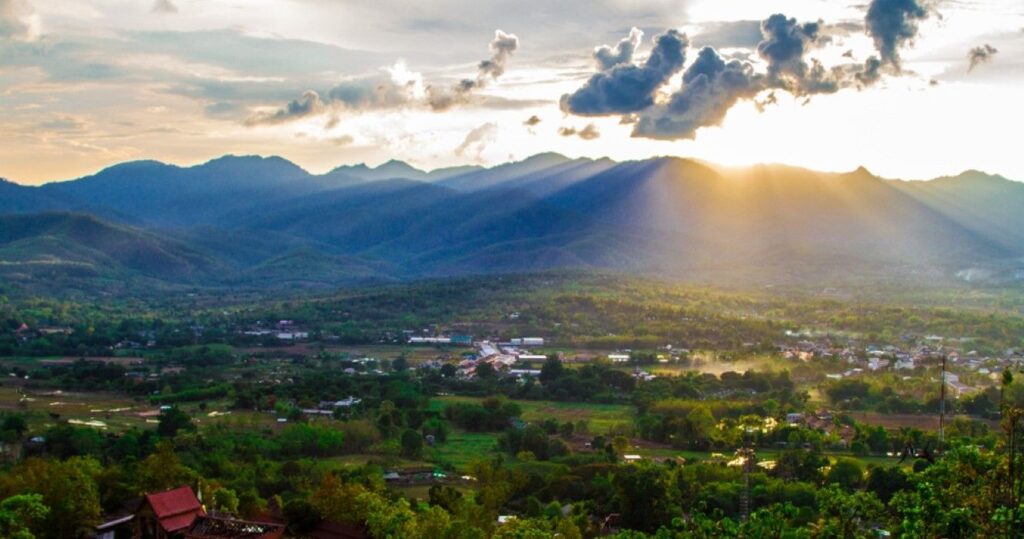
164	6
399	87
784	45
627	88
309	105
532	121
63	123
18	21
980	55
343	140
502	47
728	34
714	83
711	86
891	24
609	57
589	132
222	109
478	139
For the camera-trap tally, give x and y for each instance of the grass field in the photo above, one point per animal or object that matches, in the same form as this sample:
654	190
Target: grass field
462	448
601	418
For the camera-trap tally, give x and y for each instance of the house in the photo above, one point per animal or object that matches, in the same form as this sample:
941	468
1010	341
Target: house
164	515
178	514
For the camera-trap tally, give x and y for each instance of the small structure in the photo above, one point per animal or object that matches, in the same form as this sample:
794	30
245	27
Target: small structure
166	514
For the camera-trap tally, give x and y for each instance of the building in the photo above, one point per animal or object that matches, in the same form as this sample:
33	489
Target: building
527	341
167	514
178	514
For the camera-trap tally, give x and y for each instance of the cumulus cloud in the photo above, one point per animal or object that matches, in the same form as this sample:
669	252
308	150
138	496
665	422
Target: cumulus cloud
711	86
397	86
502	47
714	83
784	46
891	24
609	57
532	121
626	88
164	6
309	105
589	132
476	140
979	55
18	20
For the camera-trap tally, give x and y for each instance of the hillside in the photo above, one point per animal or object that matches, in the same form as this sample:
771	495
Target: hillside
64	249
266	222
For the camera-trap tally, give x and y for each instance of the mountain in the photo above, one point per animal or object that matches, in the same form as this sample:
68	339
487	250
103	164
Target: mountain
65	247
255	221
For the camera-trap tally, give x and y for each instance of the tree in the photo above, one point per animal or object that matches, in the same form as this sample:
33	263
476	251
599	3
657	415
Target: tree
400	364
226	500
173	420
68	488
642	496
552	370
20	514
412	444
162	470
885	481
847	473
302	516
847	515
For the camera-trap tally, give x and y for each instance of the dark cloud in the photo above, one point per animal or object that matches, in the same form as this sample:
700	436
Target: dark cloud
714	83
891	24
784	45
502	47
532	121
164	6
627	88
609	57
309	105
711	86
979	55
589	132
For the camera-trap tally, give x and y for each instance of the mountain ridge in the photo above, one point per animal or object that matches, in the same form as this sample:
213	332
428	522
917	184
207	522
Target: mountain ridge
253	219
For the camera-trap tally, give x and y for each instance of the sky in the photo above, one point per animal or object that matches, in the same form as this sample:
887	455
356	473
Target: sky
910	89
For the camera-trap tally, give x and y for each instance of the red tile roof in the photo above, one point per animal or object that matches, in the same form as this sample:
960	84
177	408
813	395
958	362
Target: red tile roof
175	509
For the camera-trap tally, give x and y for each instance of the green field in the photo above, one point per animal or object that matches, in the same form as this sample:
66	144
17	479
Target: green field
601	418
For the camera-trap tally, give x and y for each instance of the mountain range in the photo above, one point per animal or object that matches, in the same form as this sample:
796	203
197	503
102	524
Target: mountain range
263	221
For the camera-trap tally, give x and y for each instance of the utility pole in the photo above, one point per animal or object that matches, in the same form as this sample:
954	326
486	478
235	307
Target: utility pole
747	453
942	404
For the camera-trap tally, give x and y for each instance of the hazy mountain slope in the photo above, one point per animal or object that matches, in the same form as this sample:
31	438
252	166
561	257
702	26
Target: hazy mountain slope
82	243
265	220
153	193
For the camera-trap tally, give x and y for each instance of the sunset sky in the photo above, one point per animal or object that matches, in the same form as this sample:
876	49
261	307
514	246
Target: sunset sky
907	88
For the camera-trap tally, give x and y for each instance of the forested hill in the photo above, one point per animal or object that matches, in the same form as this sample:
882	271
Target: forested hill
265	221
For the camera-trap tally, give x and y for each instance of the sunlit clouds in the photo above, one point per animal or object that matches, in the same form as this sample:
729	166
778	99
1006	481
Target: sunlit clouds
440	83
